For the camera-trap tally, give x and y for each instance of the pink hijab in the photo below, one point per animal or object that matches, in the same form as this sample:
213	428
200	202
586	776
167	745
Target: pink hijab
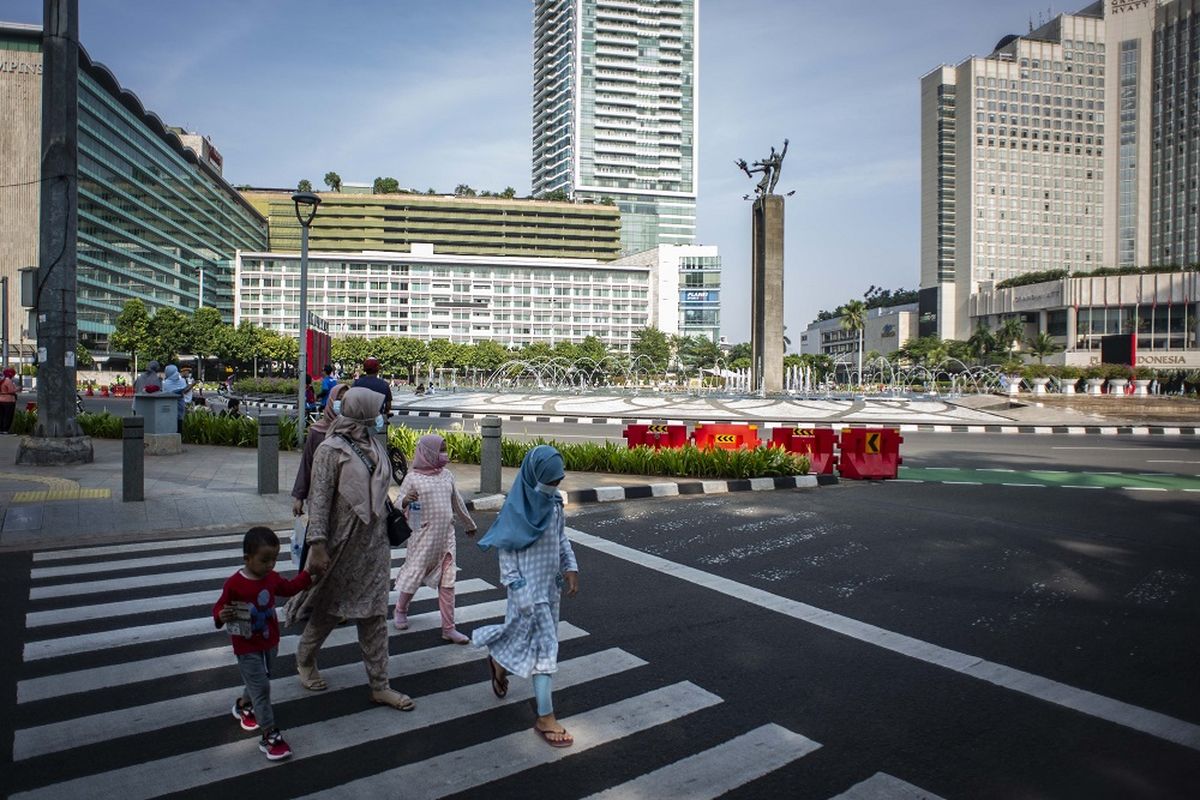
429	458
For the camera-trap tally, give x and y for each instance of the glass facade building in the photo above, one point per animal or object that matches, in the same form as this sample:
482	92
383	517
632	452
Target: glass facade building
615	111
155	222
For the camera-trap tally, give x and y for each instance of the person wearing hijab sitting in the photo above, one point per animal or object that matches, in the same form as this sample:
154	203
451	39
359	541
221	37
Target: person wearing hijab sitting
431	548
536	562
174	383
312	439
149	377
348	547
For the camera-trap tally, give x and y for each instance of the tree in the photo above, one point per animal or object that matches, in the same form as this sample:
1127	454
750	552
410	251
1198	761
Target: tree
653	344
607	201
487	356
929	351
1042	345
305	185
170	335
1010	334
463	190
509	193
385	186
281	351
431	190
739	351
441	353
333	181
351	351
407	354
132	332
83	357
592	347
557	194
240	345
206	332
854	318
981	343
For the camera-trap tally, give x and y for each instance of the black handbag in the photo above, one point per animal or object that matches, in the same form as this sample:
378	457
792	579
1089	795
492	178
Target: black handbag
398	529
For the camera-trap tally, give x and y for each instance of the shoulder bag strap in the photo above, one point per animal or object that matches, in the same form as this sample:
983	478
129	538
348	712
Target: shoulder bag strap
358	452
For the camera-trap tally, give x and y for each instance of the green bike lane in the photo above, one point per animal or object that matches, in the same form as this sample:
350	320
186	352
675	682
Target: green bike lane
1049	478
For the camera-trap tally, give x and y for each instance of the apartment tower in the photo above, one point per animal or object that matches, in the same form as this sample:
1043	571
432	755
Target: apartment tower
615	109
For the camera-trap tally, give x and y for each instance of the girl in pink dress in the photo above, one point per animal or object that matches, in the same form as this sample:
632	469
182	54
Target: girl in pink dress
431	550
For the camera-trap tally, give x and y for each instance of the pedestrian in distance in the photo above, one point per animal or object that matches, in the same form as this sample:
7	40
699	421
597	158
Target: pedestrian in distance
327	383
174	383
149	377
536	563
233	408
312	440
348	548
8	399
432	501
371	380
246	608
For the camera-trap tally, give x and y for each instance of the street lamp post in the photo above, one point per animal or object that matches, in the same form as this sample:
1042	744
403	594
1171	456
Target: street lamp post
306	208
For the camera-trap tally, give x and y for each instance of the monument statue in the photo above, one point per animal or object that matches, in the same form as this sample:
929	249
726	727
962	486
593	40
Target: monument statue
770	167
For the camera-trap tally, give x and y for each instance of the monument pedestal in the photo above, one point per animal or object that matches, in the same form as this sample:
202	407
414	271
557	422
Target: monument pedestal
766	295
41	451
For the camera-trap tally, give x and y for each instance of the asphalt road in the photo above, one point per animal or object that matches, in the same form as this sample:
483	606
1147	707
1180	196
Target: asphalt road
970	641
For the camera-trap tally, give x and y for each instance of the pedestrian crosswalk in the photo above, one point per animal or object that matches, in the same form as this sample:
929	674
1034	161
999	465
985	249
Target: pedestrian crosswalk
125	689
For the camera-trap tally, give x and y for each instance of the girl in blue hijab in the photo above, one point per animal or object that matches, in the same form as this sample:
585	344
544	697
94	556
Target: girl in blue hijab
536	562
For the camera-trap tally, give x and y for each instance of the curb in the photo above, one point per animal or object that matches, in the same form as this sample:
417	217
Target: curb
612	494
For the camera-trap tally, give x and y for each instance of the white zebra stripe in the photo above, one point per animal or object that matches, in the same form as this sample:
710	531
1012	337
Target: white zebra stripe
474	766
58	736
74	589
84	680
222	762
882	786
140	547
720	769
163	631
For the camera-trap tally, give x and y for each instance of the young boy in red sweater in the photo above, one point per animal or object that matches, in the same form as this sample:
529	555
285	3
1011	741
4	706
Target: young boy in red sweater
247	610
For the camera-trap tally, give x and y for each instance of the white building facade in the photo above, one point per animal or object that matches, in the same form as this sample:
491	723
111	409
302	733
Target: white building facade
615	109
885	331
686	297
465	299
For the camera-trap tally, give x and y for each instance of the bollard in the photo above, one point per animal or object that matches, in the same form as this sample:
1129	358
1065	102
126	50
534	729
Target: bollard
489	462
133	462
268	454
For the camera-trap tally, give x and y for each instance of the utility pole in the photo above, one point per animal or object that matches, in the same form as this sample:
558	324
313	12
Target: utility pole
57	438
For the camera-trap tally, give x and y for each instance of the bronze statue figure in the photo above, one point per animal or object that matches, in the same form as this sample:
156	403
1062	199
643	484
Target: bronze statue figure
770	167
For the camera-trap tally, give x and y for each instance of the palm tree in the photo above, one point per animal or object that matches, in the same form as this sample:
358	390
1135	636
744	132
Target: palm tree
981	343
1011	332
1042	345
854	318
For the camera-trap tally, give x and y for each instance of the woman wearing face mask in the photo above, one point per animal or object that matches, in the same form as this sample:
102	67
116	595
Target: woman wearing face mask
431	550
316	435
348	547
536	562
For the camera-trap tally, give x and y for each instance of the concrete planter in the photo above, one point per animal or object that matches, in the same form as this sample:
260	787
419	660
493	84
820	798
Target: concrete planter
1117	385
1094	385
1141	388
1014	385
1068	386
1039	385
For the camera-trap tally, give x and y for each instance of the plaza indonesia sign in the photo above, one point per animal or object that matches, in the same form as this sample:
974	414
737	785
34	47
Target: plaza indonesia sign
20	68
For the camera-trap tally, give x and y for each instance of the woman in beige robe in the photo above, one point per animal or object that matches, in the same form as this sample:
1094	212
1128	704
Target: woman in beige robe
348	547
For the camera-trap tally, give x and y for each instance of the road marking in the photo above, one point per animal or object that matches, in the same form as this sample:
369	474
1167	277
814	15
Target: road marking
962	483
57	736
59	616
1120	449
1168	461
1074	486
470	767
143	634
719	769
904	480
994	469
1027	485
117	549
84	680
950	468
1130	716
882	786
1143	489
239	758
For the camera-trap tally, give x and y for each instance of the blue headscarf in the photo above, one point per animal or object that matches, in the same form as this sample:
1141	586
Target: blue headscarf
527	510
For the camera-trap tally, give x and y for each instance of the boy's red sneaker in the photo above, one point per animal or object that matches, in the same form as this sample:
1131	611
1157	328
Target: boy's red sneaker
244	714
273	745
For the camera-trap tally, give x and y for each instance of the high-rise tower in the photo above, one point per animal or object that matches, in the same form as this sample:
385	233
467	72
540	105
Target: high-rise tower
614	111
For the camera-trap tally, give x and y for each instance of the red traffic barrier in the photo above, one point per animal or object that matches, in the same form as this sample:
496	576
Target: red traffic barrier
870	453
816	443
104	391
656	436
725	437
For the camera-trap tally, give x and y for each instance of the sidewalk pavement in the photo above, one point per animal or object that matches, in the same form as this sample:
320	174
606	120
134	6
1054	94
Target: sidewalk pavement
206	488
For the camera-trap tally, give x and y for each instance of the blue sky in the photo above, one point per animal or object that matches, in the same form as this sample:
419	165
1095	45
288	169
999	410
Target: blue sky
437	93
